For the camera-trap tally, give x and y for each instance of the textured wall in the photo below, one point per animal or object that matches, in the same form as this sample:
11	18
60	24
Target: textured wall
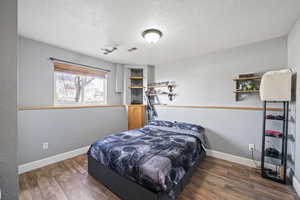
8	99
36	80
65	130
207	80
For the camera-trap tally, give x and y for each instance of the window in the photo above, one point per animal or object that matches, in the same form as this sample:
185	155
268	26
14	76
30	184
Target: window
78	85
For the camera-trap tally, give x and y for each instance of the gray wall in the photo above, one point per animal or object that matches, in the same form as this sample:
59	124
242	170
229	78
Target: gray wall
8	99
294	62
207	80
36	72
64	130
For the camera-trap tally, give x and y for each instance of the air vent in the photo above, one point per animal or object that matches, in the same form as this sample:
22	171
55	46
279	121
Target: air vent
107	51
132	49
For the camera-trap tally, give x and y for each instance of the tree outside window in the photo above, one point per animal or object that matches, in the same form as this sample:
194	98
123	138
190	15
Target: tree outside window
75	88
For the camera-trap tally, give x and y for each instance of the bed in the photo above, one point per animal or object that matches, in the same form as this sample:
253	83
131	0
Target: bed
151	163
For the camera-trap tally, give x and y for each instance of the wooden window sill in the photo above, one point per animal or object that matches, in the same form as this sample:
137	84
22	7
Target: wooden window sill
68	107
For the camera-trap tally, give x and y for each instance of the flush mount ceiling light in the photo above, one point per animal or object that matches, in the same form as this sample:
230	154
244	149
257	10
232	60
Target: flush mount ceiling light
152	35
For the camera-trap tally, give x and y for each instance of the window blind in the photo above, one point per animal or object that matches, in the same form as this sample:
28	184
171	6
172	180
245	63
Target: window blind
66	68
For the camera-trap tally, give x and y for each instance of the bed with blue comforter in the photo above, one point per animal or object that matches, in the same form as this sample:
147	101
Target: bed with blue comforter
156	156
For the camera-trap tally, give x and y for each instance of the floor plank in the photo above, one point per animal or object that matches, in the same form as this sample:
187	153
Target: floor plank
214	179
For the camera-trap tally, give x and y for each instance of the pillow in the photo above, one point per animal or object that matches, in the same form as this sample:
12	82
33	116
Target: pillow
161	123
188	126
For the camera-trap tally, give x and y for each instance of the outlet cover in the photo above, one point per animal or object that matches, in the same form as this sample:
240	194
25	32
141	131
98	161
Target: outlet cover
45	145
251	147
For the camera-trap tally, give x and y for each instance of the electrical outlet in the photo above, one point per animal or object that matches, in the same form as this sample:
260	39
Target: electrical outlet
251	147
45	145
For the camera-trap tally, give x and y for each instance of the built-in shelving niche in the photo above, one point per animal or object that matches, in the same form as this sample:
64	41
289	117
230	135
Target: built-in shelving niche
136	85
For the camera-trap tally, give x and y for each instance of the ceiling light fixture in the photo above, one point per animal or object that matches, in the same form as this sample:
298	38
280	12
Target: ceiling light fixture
152	35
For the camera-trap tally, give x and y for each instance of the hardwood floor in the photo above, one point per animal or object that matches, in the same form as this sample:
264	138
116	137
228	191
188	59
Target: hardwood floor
214	179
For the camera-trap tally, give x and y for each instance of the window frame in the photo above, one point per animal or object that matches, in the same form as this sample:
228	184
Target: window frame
55	103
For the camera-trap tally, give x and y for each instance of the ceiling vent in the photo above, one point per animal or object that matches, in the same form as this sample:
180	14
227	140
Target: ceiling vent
132	49
107	51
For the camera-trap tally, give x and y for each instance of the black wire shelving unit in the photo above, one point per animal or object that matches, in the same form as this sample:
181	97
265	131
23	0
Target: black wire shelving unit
271	163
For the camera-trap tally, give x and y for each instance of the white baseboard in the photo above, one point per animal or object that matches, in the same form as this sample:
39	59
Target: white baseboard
237	159
52	159
63	156
296	185
232	158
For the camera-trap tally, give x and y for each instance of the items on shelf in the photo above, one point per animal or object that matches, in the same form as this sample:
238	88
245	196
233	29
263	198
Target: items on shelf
273	153
151	94
161	84
271	173
272	133
275	117
152	91
247	85
151	101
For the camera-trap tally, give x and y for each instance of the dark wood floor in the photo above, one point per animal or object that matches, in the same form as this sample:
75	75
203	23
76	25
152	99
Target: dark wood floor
214	179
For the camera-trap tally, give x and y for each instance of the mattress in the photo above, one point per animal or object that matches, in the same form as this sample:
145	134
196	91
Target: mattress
155	157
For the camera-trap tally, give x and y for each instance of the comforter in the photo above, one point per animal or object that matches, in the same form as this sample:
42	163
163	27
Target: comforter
156	157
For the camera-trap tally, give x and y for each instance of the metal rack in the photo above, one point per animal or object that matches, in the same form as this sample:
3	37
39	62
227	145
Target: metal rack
267	168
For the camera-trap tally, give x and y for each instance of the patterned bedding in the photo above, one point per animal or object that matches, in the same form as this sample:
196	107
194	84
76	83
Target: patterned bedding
155	156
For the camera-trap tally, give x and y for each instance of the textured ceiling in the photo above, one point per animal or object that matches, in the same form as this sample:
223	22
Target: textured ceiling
190	27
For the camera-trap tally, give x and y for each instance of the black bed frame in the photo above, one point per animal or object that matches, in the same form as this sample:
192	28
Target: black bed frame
129	190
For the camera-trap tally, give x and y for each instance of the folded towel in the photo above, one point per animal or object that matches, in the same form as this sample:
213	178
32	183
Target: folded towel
276	85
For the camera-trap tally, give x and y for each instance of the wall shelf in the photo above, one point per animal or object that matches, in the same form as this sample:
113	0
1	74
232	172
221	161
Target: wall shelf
160	86
136	87
136	77
247	78
157	86
160	93
246	85
246	91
